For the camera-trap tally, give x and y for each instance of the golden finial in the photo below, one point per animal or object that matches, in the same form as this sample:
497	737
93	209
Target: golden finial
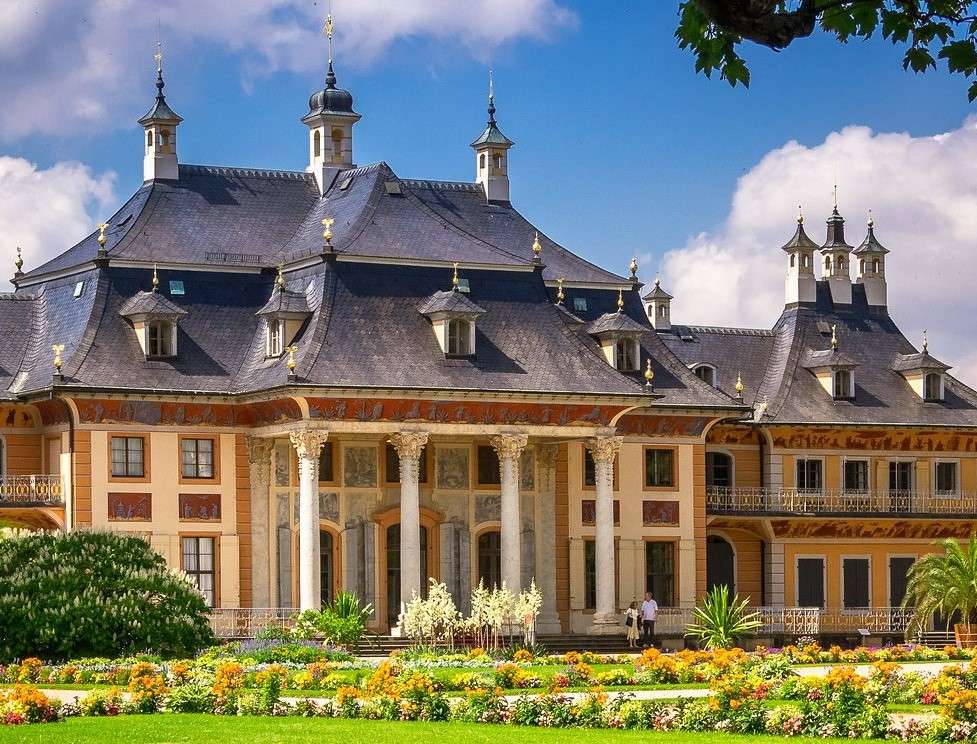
620	300
649	373
634	268
280	279
102	239
327	29
19	262
871	220
559	291
926	343
739	384
800	215
834	337
537	248
155	278
327	233
57	349
455	281
291	363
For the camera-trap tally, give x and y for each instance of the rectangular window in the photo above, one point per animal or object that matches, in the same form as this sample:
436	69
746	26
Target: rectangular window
276	334
901	477
719	470
809	475
659	468
199	563
946	479
589	574
856	476
898	578
934	387
127	457
855	573
580	304
176	287
488	466
197	458
810	582
660	572
392	468
458	338
326	471
843	384
625	356
159	339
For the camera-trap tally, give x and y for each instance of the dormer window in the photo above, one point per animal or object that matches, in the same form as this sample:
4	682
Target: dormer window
619	336
285	313
460	334
843	385
706	373
154	319
933	386
925	374
453	317
160	338
626	355
275	340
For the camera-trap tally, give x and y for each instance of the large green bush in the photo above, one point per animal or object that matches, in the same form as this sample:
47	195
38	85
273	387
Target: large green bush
94	594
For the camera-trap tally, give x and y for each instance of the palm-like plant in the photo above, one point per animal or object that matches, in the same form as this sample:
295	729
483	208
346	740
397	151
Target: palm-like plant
721	619
944	583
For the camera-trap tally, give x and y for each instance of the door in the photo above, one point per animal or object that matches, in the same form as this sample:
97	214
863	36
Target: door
660	572
898	571
393	571
719	479
327	567
720	568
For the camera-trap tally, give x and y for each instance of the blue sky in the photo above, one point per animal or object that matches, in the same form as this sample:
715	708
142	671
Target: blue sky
621	148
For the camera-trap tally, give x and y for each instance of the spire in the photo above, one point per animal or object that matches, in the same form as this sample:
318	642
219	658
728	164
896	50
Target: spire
491	100
836	227
799	240
161	111
871	243
926	342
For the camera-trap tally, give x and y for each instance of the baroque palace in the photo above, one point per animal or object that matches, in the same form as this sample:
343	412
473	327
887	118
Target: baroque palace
292	383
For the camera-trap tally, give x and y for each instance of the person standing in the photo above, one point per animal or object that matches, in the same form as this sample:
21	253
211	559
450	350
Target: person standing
632	619
649	612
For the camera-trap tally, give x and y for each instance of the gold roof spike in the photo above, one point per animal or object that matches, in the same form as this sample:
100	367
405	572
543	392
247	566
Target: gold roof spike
291	363
834	337
327	223
649	373
58	362
537	248
455	281
19	262
280	279
155	278
102	238
634	268
739	384
620	300
926	342
800	215
559	291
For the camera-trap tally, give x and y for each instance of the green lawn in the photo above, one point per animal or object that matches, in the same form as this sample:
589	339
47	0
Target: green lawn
174	728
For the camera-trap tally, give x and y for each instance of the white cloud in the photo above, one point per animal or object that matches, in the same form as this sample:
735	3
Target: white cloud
923	193
70	64
43	210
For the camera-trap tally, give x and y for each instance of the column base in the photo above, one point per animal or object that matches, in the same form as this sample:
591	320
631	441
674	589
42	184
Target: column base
606	625
548	625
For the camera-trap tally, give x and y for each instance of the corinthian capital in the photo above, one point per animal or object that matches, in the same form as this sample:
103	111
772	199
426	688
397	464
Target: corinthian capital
509	446
409	444
308	444
604	449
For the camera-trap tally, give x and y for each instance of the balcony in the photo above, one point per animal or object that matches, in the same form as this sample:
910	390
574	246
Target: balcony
831	502
18	491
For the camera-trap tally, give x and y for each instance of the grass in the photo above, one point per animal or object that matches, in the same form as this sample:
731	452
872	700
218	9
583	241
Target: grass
179	728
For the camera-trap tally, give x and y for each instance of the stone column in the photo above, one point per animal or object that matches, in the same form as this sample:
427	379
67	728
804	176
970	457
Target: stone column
509	448
259	459
308	445
545	522
409	446
604	449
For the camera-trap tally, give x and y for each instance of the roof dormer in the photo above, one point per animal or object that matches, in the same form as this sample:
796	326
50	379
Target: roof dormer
154	319
284	314
452	317
618	336
834	370
925	374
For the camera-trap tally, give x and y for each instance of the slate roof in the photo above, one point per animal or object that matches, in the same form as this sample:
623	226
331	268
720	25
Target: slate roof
617	322
284	301
657	293
150	303
918	361
799	239
825	358
449	301
871	243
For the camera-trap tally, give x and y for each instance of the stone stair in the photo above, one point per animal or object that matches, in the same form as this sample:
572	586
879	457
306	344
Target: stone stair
557	644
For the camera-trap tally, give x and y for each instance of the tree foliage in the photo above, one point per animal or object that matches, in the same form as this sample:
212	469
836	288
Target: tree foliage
94	594
944	583
928	30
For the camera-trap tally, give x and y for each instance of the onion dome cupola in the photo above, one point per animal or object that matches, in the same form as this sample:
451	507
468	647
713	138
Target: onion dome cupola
159	125
330	121
658	306
836	254
870	255
492	155
453	317
154	318
800	284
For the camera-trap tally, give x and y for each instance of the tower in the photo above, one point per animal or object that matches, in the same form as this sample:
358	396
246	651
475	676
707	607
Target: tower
870	255
159	141
800	284
658	307
330	121
836	253
492	156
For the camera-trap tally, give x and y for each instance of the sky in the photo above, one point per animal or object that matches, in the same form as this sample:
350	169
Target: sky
621	148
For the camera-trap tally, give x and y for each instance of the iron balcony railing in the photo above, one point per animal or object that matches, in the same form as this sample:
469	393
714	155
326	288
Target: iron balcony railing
247	622
799	501
31	490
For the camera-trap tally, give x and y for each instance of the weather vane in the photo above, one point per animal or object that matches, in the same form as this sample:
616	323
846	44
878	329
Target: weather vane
327	28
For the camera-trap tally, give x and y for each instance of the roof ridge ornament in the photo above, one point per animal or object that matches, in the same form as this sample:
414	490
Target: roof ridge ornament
740	387
834	337
102	237
455	281
800	215
926	343
649	376
620	300
280	278
559	291
58	361
327	232
537	248
634	268
19	262
155	278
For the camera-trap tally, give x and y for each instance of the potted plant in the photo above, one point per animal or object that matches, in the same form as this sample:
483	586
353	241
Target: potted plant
946	583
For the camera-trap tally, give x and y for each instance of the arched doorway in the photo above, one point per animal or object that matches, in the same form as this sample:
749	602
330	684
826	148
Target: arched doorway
720	563
393	570
490	558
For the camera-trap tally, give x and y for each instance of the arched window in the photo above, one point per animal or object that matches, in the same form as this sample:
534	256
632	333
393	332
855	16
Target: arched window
706	373
459	338
861	266
933	386
164	138
316	144
337	143
805	262
149	138
481	161
875	266
497	158
626	357
827	263
663	311
793	260
843	381
841	263
393	571
490	558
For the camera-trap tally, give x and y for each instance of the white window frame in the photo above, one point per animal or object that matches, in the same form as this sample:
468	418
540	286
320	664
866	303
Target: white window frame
955	493
913	475
635	353
466	330
841	580
941	394
166	328
797	576
851	384
868	465
705	365
273	349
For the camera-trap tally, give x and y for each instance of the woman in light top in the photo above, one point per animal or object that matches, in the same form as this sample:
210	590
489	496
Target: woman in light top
632	619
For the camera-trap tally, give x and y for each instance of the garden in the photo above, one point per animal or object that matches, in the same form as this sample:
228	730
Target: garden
483	674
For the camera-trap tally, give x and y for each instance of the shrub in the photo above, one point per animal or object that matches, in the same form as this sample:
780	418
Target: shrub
101	703
722	619
26	704
191	698
94	594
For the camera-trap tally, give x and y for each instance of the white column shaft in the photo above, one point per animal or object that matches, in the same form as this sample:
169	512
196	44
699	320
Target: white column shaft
308	445
410	529
604	542
511	524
